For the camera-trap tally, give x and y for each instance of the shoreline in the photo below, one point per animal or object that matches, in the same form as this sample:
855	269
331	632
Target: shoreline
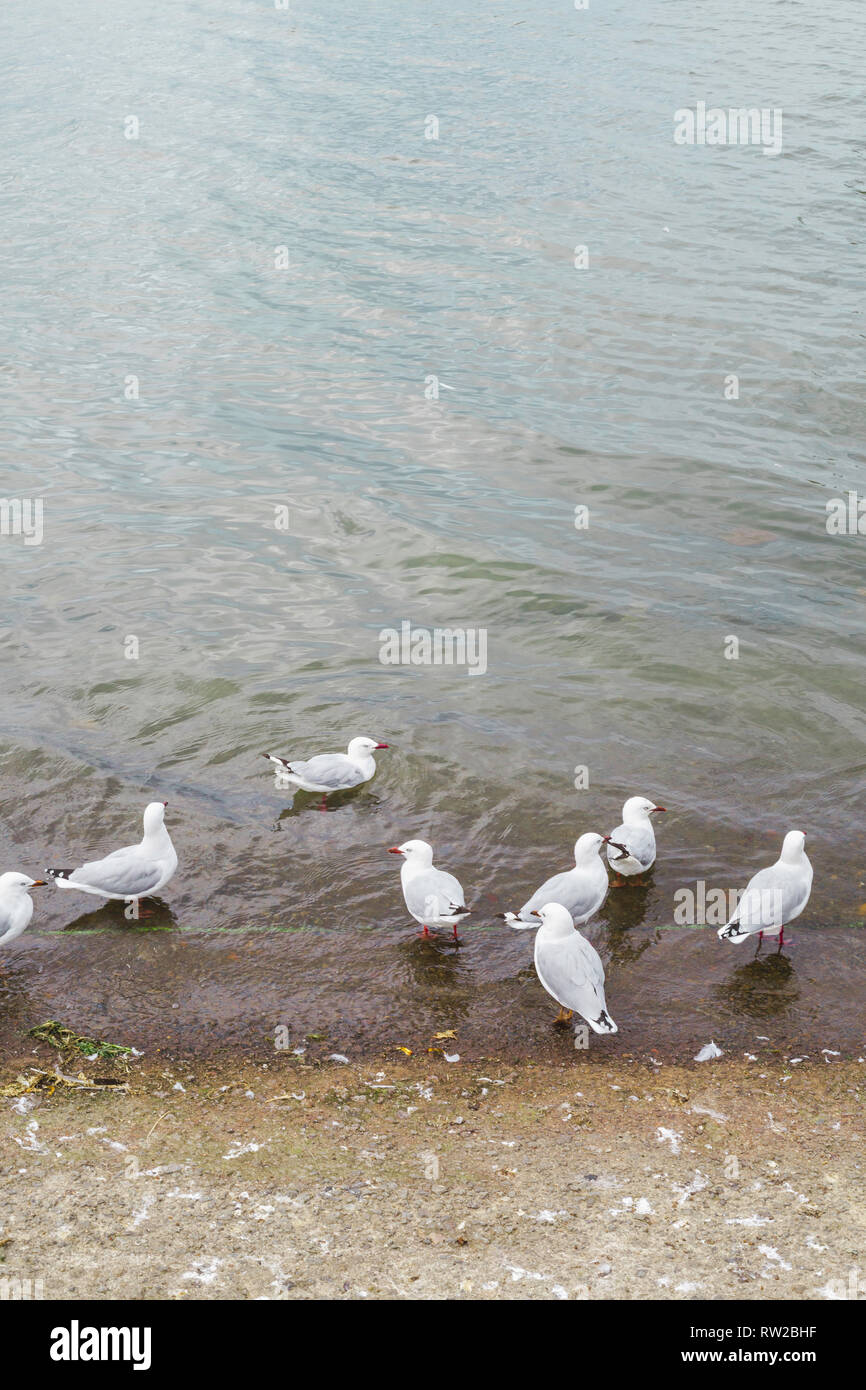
418	1178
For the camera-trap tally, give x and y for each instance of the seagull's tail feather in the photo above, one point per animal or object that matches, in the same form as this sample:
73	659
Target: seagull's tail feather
515	920
603	1024
60	877
280	762
458	911
732	932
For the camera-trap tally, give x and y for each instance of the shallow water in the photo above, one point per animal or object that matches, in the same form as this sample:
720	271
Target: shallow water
304	388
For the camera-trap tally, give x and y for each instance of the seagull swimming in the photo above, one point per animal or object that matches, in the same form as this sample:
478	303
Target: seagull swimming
637	836
582	889
570	969
16	904
433	897
774	897
331	772
137	871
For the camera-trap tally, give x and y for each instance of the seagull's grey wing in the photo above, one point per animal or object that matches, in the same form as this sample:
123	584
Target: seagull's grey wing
433	894
574	891
124	872
639	840
332	770
773	897
571	970
15	919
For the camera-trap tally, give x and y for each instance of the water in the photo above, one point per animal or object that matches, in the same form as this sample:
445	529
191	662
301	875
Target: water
304	388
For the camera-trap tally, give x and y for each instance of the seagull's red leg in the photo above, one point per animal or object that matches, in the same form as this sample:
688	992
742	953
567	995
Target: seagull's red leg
425	932
456	937
324	805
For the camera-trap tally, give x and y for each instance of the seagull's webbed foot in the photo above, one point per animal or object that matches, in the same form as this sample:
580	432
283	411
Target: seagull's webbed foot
564	1015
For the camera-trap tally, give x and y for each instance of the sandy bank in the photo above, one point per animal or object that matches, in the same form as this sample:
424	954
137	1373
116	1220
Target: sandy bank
420	1179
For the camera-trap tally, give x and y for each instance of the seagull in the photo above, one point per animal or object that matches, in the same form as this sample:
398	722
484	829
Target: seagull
774	897
331	772
433	897
570	969
16	904
637	837
582	889
137	871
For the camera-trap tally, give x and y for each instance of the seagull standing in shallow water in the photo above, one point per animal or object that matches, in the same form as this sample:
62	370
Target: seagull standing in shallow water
433	897
582	889
137	871
331	772
570	969
16	904
636	834
774	897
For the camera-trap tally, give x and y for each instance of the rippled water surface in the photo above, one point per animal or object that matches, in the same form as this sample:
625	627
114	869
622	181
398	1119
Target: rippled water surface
309	388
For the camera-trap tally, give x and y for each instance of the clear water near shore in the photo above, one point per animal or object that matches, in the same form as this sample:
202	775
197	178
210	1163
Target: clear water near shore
304	388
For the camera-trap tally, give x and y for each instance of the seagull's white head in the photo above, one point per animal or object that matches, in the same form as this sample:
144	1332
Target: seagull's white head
414	852
555	919
360	748
587	846
19	883
793	847
639	808
154	815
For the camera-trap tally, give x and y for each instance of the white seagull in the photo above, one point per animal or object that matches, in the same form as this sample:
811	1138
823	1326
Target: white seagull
582	889
433	897
16	904
774	897
570	969
331	772
137	871
636	835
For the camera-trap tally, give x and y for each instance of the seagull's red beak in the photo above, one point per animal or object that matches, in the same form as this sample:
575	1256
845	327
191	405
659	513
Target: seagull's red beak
395	851
663	810
39	883
381	745
165	803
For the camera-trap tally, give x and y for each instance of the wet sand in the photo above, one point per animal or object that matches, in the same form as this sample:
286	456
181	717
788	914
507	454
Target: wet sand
419	1178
